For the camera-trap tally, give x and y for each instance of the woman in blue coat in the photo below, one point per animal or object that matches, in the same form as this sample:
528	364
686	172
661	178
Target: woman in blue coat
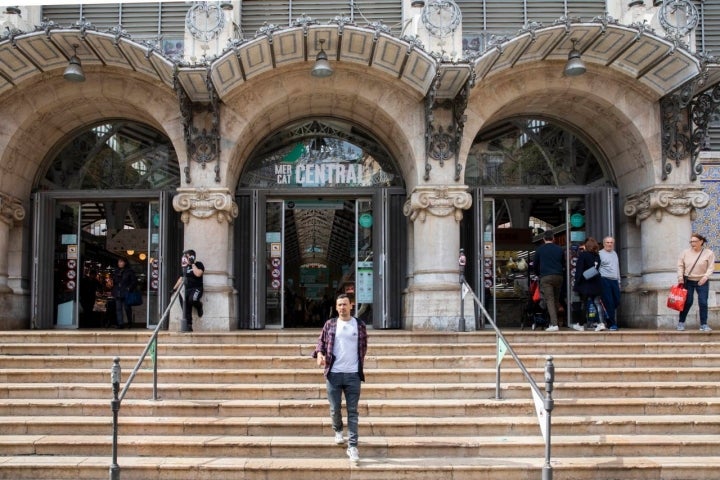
590	289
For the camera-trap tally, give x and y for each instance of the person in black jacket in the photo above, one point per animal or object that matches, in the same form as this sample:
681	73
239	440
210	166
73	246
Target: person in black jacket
549	266
589	287
193	271
124	280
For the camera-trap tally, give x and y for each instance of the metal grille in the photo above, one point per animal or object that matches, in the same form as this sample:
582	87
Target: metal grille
148	20
282	12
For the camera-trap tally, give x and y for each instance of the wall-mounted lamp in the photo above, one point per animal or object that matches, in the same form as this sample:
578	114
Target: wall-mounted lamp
574	65
227	6
142	256
130	252
417	4
322	67
74	71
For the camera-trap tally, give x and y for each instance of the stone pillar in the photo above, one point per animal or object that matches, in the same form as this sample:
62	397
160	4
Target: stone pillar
11	214
433	298
207	214
664	214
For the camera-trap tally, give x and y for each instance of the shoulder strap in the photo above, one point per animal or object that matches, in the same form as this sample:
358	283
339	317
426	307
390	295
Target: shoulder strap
696	260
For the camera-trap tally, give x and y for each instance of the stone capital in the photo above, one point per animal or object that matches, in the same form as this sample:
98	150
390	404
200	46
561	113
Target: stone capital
678	200
439	201
205	203
11	210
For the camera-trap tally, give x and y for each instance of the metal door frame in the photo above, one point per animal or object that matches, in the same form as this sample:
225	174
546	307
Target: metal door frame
43	242
599	201
387	274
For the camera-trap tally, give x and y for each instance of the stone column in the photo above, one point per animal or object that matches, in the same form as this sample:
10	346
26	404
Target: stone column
664	214
433	298
207	214
11	214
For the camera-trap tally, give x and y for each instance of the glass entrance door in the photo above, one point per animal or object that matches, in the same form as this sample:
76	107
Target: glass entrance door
512	229
314	250
79	241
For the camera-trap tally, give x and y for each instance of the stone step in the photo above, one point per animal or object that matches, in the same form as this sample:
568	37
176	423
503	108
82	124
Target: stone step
306	446
370	426
436	408
370	391
304	336
421	376
539	346
433	468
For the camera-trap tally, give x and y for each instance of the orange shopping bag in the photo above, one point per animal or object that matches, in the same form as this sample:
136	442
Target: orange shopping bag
677	297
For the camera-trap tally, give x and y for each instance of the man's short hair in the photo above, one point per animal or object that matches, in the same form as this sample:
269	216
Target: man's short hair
548	235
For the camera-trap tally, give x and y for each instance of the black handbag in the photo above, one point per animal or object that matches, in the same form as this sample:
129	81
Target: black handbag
133	299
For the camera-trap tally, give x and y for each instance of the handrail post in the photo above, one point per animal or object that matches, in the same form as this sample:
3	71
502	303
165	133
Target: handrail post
153	356
549	404
115	405
498	361
461	264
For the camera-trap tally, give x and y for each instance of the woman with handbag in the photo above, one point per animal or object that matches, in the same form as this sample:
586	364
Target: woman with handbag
589	285
694	268
124	281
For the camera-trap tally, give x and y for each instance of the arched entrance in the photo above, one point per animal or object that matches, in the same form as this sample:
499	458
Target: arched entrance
529	175
106	195
325	202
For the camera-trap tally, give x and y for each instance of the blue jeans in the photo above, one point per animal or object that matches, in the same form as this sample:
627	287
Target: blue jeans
702	293
611	299
336	384
121	306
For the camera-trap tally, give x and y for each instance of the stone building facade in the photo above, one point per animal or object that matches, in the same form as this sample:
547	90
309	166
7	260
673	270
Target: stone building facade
419	106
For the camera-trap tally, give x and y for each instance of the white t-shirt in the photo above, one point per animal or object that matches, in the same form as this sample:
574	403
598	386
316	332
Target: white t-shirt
345	348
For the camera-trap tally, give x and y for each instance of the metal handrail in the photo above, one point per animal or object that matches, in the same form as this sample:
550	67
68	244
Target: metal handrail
547	400
115	378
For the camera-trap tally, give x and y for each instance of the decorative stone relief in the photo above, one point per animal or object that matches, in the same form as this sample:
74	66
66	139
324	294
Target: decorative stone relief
677	200
11	210
440	201
204	203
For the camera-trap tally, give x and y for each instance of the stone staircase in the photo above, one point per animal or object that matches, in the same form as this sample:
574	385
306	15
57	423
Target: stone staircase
251	405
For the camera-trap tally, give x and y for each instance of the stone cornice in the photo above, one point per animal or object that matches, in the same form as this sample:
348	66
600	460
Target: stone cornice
678	200
439	201
204	203
11	210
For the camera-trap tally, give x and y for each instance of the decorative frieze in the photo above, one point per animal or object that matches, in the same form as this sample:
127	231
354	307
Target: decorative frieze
11	210
204	203
439	201
674	200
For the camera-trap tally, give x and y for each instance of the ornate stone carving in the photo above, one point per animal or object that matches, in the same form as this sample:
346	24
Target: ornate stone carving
204	203
440	201
674	200
11	210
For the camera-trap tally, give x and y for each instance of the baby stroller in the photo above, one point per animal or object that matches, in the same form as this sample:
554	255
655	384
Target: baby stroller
534	313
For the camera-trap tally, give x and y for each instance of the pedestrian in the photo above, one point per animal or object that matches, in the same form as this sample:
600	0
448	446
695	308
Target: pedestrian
589	287
124	281
694	268
192	278
549	266
341	349
610	278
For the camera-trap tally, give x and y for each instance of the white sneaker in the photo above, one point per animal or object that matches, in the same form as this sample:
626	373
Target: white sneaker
578	327
339	438
354	455
600	327
552	328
